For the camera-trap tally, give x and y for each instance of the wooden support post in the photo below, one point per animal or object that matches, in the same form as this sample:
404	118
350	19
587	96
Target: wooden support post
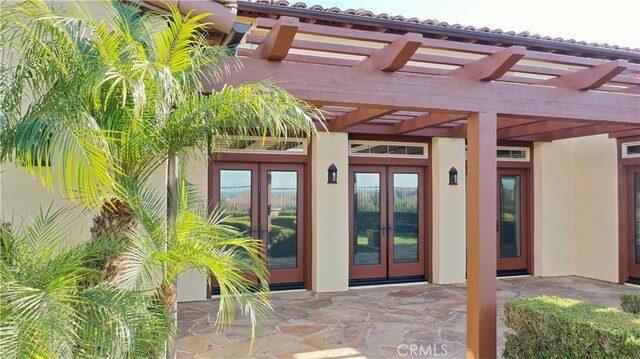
481	237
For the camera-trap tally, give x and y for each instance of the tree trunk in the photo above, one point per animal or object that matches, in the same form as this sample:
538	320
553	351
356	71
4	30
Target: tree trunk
169	290
111	224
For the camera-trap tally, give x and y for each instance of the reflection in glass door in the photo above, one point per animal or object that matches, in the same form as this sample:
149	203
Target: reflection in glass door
387	223
634	225
511	230
282	219
264	201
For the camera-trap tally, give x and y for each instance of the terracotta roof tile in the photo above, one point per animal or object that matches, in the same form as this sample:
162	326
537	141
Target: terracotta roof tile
434	22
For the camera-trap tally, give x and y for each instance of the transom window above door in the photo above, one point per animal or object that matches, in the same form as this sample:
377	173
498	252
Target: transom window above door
287	146
388	149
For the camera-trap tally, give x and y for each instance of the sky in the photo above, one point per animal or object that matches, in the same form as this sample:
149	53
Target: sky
616	22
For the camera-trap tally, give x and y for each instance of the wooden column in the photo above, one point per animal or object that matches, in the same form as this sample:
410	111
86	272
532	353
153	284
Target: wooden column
481	235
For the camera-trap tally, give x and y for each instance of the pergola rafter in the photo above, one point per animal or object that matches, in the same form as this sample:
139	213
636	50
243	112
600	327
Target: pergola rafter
590	78
275	46
424	121
585	130
535	128
357	116
394	56
490	67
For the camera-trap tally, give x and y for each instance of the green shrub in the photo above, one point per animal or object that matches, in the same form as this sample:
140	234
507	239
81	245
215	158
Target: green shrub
285	221
282	241
553	327
242	224
630	302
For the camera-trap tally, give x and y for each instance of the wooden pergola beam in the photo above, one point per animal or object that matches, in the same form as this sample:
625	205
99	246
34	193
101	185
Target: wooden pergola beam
394	56
536	128
481	236
490	67
503	122
275	46
343	86
428	120
356	117
590	78
625	133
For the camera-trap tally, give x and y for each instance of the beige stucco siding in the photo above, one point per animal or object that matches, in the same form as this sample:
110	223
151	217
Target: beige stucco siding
330	213
596	208
553	209
576	208
449	211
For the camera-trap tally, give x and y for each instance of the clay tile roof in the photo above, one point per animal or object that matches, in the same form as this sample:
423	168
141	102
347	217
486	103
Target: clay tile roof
432	22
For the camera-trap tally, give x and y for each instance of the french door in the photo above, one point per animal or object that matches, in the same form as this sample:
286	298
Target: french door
513	221
265	202
387	229
633	205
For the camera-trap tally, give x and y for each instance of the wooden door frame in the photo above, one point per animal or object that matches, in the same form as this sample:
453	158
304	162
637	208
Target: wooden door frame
243	158
624	233
424	219
526	208
408	269
380	269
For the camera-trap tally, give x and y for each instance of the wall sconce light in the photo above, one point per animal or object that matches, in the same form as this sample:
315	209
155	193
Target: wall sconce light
453	176
332	173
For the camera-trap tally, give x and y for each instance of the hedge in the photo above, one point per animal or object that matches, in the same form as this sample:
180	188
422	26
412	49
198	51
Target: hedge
553	327
630	302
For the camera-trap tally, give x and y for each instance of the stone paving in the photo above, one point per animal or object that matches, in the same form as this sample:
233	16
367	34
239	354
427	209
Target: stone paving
380	322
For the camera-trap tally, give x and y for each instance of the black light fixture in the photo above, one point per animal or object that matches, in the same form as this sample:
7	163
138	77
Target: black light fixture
453	176
332	172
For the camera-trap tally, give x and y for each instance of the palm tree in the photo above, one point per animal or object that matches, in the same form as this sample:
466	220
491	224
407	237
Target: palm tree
49	307
111	100
198	240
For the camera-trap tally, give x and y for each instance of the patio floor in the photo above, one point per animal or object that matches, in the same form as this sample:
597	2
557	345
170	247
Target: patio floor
378	322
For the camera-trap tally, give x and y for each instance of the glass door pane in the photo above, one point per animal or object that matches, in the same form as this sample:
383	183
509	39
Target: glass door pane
405	217
235	198
510	217
366	217
282	219
636	214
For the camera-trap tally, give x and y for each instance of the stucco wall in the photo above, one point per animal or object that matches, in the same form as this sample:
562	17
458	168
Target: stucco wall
449	211
192	286
576	208
22	196
596	207
553	209
330	213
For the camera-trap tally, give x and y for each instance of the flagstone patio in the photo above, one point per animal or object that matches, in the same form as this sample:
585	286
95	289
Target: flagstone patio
380	322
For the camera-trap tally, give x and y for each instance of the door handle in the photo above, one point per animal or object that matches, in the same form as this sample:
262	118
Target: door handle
254	232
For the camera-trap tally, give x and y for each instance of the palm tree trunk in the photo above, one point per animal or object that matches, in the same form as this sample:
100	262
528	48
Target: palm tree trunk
169	290
111	224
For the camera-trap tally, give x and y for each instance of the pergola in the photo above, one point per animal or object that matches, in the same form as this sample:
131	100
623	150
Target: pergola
406	84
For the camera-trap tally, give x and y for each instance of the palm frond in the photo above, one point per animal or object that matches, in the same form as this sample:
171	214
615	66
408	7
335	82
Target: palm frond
48	311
